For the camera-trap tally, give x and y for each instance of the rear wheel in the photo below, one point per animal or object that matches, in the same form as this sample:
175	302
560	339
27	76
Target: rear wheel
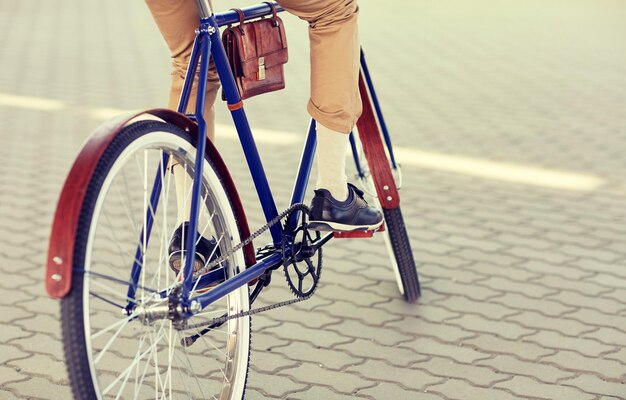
111	354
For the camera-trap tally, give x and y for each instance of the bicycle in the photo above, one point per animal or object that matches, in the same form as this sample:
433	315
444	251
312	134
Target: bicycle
130	324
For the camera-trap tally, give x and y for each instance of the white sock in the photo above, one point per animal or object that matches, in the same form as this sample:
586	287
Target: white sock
331	161
184	184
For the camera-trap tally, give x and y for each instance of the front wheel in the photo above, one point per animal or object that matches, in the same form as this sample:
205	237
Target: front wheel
401	256
120	263
395	234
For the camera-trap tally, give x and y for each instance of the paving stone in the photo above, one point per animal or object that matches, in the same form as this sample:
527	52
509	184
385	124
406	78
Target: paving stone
532	290
481	256
280	385
596	254
461	390
619	355
388	391
369	315
516	301
292	331
357	329
343	382
312	319
271	361
487	245
595	385
575	299
487	309
10	374
39	388
42	344
587	347
409	378
604	366
497	345
537	370
427	346
563	325
610	336
588	288
545	255
476	323
319	392
528	387
476	375
566	270
439	330
515	274
266	341
326	358
41	365
475	292
7	395
394	355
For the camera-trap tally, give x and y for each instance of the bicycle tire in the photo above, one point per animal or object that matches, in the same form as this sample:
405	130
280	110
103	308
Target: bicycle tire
401	248
395	236
91	364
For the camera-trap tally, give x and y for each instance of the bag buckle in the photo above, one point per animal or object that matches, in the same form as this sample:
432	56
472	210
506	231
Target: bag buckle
261	71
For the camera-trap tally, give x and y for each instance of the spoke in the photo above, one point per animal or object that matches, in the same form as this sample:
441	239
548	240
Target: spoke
191	370
129	211
128	370
111	291
109	343
112	326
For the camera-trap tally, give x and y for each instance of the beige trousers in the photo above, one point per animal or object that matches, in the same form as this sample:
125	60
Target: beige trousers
334	40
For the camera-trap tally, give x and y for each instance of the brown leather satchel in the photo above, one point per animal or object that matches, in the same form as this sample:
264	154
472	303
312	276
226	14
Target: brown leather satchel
256	52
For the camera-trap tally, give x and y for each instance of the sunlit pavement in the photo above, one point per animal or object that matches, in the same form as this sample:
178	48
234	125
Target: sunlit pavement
509	120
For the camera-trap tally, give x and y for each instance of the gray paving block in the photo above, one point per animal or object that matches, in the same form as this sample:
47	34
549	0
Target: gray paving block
388	391
393	355
39	388
587	347
324	357
529	387
457	352
409	378
535	369
343	382
459	390
487	343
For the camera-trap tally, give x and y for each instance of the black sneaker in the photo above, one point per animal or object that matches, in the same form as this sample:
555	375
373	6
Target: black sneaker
204	249
353	214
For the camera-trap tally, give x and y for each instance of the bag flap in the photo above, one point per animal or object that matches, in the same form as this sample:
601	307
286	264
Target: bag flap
261	39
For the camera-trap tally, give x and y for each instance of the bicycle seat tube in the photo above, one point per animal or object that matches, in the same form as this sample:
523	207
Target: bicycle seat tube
205	8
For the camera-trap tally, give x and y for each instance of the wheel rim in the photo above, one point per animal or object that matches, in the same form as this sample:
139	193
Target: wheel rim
133	359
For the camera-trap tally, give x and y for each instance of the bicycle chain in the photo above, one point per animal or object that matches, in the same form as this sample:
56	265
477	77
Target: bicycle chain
249	239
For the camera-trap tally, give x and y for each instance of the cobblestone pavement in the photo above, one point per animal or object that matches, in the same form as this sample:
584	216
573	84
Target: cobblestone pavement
510	119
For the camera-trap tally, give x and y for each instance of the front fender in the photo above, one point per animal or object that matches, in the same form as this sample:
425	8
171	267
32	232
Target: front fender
61	248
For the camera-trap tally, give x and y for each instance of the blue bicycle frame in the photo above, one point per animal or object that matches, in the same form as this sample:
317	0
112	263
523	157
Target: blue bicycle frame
208	44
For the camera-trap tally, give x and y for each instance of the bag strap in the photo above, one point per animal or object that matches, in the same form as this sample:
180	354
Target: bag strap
274	18
241	20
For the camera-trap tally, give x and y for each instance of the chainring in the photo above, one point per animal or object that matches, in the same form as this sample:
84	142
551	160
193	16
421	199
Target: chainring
302	271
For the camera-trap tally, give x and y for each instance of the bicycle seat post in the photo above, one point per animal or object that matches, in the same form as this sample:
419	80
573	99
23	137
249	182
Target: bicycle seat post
205	8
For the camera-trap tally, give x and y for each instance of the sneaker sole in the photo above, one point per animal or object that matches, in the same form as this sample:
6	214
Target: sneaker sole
328	226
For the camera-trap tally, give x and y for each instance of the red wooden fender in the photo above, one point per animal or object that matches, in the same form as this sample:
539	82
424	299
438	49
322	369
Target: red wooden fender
374	150
61	249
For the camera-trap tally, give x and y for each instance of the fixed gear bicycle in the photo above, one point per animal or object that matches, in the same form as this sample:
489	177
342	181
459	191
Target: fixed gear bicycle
134	328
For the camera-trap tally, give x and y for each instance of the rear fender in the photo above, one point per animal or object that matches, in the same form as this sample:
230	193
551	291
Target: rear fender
61	249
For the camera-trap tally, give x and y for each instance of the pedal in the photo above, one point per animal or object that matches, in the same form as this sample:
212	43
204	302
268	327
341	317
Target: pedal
358	234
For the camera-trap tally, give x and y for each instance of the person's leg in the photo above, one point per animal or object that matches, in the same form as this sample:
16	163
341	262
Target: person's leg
177	20
335	104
